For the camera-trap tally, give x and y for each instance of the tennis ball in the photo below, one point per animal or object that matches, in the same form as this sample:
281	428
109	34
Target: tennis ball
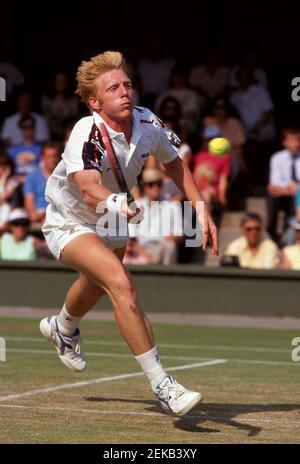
219	146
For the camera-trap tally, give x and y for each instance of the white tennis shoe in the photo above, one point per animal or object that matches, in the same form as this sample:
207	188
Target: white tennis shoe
174	398
68	348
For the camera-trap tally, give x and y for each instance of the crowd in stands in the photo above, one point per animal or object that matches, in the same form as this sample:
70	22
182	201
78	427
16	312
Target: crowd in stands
199	103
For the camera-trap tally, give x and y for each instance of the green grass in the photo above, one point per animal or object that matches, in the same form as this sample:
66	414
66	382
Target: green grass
252	398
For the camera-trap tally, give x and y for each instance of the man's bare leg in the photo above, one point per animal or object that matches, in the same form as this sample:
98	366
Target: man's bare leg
100	267
103	268
84	293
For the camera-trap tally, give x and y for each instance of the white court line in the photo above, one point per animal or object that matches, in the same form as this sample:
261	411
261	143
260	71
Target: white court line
164	345
105	379
203	417
101	355
195	358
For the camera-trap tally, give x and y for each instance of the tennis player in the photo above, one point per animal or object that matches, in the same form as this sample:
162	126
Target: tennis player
84	179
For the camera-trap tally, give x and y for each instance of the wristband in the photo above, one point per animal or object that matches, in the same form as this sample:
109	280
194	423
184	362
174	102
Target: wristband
114	202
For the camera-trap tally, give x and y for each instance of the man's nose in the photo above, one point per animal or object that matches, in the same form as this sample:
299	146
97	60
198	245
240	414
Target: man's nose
124	90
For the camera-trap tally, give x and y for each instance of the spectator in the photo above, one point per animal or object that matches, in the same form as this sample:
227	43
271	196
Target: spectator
250	62
68	129
209	79
154	71
252	249
9	71
211	173
230	128
170	190
11	133
26	155
59	106
17	244
135	254
255	107
8	186
284	178
161	229
35	184
170	110
291	254
188	99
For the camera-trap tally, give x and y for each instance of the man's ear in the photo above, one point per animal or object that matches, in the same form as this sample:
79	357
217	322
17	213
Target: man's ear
94	103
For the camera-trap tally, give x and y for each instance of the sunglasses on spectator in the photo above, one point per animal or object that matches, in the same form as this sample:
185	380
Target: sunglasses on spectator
257	228
155	182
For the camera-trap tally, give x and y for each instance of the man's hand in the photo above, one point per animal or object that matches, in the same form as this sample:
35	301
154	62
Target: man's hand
132	210
210	233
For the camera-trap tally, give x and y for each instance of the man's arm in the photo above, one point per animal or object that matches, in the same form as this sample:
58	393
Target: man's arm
34	214
93	191
183	178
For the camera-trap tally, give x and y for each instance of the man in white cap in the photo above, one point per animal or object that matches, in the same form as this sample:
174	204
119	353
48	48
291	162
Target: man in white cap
162	226
17	244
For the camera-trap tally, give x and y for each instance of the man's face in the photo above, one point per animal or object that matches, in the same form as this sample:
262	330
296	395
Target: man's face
28	129
292	143
113	96
297	236
252	232
24	103
20	230
244	79
153	190
50	158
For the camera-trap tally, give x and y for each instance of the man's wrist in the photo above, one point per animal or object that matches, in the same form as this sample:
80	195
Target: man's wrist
114	202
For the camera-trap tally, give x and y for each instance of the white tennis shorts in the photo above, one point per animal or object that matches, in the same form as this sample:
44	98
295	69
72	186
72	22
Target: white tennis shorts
58	234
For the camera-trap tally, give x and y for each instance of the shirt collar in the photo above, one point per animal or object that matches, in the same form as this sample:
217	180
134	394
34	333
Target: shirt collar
136	131
112	133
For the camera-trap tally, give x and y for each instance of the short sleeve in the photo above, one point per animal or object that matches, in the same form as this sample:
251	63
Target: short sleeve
29	184
6	130
168	143
84	150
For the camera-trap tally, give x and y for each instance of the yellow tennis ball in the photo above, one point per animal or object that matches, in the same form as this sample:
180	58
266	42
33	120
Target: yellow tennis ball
219	146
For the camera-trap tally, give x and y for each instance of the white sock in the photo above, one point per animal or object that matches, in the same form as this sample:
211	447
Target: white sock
66	323
150	363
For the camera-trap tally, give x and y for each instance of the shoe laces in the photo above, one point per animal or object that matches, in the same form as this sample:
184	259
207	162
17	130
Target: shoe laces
172	391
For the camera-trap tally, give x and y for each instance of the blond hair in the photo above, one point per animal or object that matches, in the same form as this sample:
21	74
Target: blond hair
89	71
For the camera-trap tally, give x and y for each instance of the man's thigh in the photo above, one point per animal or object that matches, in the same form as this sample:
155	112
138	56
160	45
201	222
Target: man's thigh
89	285
88	255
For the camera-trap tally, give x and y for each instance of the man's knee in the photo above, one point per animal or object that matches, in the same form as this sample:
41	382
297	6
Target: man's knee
123	291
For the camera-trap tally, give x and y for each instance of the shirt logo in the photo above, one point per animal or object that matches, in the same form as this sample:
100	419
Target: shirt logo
145	155
98	146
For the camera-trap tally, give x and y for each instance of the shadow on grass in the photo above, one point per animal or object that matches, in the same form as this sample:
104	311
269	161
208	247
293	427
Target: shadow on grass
218	413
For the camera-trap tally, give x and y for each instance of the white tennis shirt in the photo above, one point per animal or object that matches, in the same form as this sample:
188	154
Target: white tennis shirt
84	151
